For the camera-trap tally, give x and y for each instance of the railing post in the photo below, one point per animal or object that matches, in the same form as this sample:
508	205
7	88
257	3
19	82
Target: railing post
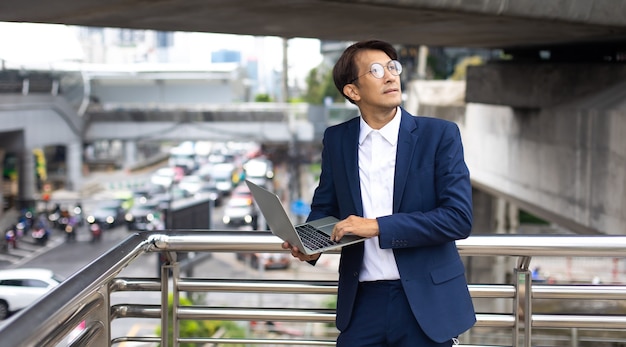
523	300
166	267
574	337
175	304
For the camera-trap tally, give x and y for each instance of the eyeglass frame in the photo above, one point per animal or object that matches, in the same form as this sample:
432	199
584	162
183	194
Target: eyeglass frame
396	65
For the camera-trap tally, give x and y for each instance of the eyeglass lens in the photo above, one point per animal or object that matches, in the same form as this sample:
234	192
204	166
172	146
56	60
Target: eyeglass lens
394	67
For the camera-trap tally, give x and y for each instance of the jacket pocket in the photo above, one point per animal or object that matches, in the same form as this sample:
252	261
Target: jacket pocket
447	272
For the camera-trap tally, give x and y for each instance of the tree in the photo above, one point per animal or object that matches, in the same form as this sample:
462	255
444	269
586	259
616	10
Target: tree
263	97
460	69
205	328
320	85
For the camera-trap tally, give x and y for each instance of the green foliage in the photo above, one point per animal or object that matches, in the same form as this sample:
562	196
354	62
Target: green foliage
263	98
330	303
320	85
316	170
193	328
297	100
527	218
460	70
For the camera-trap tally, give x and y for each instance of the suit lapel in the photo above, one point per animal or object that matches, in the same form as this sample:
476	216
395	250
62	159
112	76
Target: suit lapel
350	154
407	139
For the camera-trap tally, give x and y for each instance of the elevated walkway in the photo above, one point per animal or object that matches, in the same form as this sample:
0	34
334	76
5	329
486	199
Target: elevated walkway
508	314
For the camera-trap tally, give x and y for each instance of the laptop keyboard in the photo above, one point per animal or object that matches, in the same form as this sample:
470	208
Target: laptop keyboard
313	238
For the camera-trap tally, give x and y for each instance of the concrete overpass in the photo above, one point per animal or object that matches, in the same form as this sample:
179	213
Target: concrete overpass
485	23
543	127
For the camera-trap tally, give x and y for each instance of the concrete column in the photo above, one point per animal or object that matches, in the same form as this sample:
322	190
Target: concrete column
130	154
2	152
481	269
74	164
26	182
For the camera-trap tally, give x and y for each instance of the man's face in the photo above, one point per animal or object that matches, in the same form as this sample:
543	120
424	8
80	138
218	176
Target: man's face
375	92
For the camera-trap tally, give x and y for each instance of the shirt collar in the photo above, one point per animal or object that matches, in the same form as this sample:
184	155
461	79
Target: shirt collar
389	132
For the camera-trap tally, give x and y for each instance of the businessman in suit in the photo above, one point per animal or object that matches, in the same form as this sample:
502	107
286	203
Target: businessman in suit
401	181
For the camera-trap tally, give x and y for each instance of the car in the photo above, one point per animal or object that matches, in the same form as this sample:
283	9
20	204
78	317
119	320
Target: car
174	193
259	171
242	191
241	211
209	189
108	214
223	175
191	183
144	217
166	176
269	261
19	288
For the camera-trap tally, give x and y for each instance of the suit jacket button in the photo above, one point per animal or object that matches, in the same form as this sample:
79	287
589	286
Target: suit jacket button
356	274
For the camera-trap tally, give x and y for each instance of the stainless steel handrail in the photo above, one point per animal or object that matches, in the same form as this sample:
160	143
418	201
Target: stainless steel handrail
85	296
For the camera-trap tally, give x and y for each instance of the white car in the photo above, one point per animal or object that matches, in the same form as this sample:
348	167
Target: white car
241	211
163	177
191	183
21	287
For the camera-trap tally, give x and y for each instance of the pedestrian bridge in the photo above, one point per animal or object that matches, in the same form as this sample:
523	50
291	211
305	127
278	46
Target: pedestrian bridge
520	313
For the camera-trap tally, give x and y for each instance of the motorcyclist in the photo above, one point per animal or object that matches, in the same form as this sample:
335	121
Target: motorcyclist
71	229
96	232
11	236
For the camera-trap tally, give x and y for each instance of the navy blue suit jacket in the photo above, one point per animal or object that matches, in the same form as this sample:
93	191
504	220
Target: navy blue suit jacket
432	207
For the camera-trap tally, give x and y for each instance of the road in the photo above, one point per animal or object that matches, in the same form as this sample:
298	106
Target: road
66	259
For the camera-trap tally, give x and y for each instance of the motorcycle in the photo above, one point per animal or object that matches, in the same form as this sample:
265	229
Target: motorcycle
70	229
96	232
70	235
41	236
11	237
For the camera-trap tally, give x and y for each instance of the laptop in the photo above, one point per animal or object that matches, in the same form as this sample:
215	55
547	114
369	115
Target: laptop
311	237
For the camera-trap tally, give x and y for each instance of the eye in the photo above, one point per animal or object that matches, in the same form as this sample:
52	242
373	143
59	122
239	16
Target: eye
377	70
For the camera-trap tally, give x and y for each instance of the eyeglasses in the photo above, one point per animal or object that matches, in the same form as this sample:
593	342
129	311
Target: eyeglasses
377	70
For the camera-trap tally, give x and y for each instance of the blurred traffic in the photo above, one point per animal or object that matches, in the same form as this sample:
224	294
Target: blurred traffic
215	173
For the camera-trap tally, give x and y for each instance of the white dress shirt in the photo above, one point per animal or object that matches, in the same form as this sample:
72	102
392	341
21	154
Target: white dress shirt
377	162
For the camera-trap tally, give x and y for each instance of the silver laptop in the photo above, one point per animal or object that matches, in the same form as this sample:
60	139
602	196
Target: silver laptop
312	237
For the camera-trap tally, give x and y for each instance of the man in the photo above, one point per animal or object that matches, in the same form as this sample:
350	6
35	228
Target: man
402	182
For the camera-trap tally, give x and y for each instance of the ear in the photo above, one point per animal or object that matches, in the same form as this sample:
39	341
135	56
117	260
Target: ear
352	92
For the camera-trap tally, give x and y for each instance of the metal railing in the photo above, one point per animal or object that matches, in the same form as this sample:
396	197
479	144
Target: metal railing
86	295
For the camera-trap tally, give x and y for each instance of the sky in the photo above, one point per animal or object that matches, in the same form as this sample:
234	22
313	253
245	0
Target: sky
36	44
303	54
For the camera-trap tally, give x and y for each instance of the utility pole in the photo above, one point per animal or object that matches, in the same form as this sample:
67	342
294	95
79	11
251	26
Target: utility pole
285	80
293	150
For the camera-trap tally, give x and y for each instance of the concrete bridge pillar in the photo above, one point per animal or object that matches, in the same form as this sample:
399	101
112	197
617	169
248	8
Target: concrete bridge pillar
2	153
130	153
492	215
550	138
26	182
74	164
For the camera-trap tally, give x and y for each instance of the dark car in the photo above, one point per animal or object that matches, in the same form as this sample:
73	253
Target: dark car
267	260
144	217
164	200
209	189
107	215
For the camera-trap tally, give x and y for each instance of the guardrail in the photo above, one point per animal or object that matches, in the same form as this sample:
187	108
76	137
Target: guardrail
86	295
